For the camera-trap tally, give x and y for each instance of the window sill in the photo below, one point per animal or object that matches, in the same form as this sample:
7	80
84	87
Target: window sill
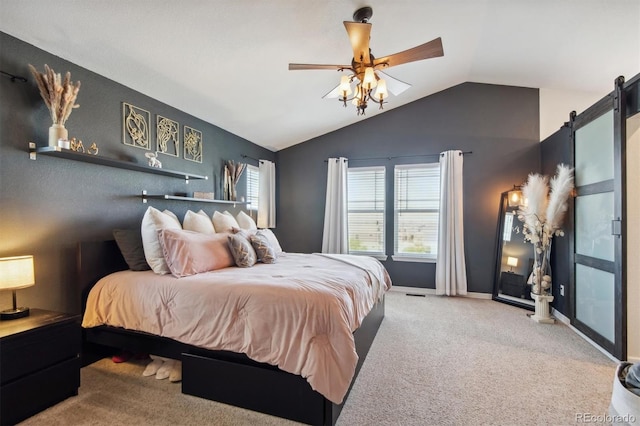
404	258
381	257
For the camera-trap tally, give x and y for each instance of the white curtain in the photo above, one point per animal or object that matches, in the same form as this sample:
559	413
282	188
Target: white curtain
451	274
267	195
335	238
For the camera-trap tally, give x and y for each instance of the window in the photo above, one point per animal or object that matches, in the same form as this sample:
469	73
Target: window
508	227
416	210
366	210
253	183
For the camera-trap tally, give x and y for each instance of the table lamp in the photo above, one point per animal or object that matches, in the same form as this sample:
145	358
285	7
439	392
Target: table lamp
512	262
16	273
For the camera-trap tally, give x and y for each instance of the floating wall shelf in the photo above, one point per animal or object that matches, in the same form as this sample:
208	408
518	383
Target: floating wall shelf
146	197
55	151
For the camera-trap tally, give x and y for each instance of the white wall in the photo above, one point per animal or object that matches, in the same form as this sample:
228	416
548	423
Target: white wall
555	106
633	239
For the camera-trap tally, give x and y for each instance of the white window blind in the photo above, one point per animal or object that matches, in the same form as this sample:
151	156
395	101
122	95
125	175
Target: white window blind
508	227
417	202
366	194
253	183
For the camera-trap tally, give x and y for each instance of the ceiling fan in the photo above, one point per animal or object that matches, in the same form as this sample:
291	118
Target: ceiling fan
365	69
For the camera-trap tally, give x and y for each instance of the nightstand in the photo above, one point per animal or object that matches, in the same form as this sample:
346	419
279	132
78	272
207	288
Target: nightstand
39	363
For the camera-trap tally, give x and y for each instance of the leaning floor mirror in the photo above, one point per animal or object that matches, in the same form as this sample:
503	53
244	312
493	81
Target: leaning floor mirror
514	256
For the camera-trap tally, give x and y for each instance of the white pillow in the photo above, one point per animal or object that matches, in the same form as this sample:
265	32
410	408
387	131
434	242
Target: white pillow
198	222
224	222
245	221
152	221
272	239
172	214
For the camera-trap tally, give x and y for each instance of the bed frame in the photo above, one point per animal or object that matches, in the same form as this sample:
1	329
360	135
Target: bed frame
223	376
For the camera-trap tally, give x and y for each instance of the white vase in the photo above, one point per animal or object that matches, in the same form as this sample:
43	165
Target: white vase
56	132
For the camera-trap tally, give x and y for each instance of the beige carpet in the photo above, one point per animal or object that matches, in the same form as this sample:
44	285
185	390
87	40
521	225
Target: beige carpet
435	361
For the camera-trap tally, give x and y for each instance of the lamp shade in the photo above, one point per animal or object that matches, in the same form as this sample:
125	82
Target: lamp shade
381	91
369	81
512	261
345	85
16	272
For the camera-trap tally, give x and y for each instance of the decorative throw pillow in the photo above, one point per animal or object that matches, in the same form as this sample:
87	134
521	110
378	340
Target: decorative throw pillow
152	222
198	222
244	232
189	253
172	214
272	239
130	244
242	251
224	222
264	250
245	221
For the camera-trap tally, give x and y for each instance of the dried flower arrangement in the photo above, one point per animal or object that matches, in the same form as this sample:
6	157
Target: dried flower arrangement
542	215
232	173
59	95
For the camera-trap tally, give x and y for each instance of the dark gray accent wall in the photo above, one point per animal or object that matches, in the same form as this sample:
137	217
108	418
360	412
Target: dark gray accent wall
556	149
499	124
48	205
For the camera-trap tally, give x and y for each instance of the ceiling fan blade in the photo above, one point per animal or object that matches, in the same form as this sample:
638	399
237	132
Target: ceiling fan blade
333	94
359	34
431	49
394	85
293	67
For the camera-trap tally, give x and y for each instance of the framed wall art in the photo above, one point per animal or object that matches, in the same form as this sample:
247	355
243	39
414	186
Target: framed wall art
135	126
192	144
167	136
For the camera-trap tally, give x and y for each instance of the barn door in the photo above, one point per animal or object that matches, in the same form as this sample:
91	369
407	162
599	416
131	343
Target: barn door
599	305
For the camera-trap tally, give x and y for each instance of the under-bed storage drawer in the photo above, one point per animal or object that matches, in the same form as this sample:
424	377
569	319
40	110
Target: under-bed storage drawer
265	389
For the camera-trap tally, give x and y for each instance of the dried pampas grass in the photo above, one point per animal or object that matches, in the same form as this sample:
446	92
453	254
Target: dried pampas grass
546	204
59	95
561	187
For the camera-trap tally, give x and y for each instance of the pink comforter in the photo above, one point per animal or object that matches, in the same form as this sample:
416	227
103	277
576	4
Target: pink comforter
298	314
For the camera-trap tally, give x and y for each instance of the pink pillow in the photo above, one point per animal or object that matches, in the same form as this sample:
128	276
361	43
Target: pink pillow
188	253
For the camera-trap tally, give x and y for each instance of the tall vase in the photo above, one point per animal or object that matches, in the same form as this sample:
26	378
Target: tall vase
233	194
541	288
542	272
57	132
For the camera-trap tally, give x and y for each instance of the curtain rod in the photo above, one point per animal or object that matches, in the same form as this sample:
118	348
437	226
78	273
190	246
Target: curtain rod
13	77
403	156
251	158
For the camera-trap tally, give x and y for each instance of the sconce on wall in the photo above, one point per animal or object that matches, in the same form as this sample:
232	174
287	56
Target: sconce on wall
16	273
515	196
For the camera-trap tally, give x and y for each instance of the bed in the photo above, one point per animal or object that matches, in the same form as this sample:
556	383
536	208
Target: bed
294	381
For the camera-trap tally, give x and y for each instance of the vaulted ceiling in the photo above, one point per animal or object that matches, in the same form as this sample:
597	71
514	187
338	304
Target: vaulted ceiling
226	62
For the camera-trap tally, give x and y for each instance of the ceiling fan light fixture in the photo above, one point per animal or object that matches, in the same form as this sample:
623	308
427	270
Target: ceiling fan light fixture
363	66
345	86
369	81
381	91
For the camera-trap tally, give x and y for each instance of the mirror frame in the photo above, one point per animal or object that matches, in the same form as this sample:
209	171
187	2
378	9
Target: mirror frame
504	203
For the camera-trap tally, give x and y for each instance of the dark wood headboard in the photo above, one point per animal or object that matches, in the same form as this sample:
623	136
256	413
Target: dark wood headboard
96	259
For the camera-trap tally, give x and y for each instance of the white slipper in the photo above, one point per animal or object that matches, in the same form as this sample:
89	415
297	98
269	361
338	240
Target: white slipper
165	370
152	367
176	372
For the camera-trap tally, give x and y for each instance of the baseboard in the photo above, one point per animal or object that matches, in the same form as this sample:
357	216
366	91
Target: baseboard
566	321
421	291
